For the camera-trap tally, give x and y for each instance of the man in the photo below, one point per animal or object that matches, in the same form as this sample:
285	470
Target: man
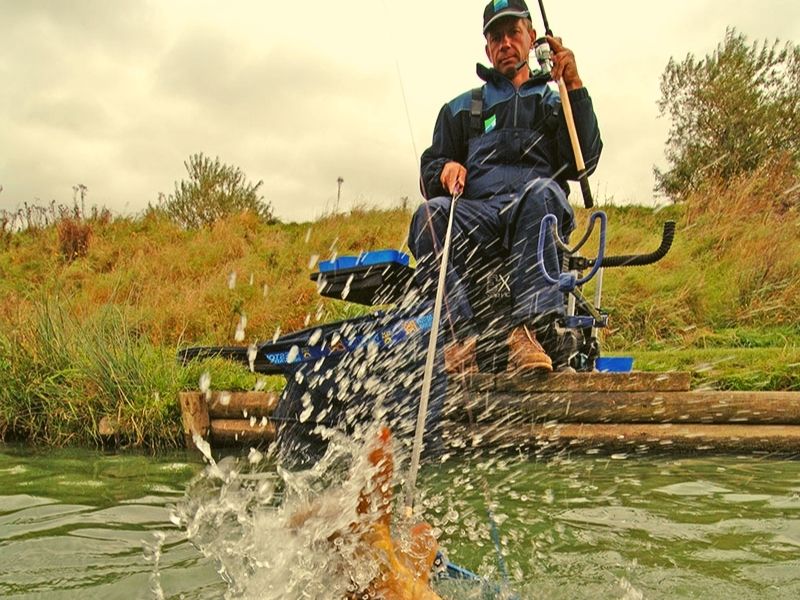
507	150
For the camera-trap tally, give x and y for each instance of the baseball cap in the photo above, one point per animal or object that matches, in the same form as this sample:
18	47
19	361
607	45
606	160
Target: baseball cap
497	9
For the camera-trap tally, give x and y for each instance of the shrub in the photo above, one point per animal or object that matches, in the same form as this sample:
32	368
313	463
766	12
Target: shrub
731	111
73	238
213	191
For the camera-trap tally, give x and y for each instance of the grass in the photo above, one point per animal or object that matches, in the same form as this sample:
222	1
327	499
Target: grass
61	377
93	334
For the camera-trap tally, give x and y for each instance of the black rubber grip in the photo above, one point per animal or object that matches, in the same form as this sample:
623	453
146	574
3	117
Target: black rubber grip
586	190
638	260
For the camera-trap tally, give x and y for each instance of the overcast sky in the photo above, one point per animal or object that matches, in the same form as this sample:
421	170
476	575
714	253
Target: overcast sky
116	94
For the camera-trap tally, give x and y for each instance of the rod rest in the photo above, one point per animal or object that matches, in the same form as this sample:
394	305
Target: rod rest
630	260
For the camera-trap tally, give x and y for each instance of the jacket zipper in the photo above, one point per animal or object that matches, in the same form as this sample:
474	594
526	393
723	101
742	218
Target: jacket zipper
516	106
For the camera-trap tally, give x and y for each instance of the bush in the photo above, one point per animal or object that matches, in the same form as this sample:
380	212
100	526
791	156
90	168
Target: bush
213	191
73	238
731	111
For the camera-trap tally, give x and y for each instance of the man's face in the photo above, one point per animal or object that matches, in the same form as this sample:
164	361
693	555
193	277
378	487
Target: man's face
508	42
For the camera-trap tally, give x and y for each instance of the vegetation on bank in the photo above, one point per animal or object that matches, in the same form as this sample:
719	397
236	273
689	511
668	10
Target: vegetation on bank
93	307
93	337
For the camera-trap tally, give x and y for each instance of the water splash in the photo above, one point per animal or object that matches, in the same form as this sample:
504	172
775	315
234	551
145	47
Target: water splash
279	534
240	328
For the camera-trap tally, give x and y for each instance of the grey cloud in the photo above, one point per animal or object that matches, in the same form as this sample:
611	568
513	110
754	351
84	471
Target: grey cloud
120	24
283	90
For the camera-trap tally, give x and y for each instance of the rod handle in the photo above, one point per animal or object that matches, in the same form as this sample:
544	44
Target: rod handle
566	106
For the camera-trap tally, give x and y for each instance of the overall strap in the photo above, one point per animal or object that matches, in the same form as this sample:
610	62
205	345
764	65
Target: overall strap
476	113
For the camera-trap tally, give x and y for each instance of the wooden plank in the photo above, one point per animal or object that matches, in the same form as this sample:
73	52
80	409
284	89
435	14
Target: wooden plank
226	432
635	381
194	413
242	405
631	438
629	407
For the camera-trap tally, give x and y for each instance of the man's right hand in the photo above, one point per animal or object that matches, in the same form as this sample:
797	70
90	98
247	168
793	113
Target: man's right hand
453	177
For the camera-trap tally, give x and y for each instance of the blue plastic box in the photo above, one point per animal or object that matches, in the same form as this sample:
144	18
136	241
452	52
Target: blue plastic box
614	364
365	259
381	257
342	262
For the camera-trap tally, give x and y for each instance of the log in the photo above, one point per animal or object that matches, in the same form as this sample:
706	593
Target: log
241	405
631	438
194	412
776	408
635	381
227	432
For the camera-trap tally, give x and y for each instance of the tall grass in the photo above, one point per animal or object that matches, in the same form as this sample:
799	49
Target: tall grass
735	262
60	376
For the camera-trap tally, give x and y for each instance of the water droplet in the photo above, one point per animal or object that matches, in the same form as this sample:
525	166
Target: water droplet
205	382
294	352
252	353
225	398
346	290
315	337
231	280
240	327
254	457
313	261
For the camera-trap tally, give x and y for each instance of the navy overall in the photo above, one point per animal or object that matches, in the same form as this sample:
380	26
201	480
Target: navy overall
495	231
516	149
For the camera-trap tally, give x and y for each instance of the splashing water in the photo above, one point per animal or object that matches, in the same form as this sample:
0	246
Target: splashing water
205	384
240	328
278	534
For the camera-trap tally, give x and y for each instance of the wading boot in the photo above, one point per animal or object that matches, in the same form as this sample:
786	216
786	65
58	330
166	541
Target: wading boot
525	353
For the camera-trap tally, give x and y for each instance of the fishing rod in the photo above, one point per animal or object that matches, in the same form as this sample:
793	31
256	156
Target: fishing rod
583	177
427	377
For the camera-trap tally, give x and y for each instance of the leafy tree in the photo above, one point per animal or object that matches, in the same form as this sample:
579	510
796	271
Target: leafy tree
730	112
213	191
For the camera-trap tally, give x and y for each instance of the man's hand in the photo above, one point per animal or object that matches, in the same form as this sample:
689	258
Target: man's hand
453	177
564	64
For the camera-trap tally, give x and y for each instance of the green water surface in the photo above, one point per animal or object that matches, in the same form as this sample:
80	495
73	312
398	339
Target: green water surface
82	524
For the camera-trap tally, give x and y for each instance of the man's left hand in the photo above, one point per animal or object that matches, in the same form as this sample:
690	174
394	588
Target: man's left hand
564	65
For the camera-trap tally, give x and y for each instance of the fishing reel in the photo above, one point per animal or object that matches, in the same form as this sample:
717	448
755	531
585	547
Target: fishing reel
543	55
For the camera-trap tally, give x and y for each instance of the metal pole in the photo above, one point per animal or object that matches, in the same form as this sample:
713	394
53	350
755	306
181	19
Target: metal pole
339	181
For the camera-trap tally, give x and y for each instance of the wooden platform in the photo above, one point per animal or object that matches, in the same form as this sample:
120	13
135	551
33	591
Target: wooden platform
626	412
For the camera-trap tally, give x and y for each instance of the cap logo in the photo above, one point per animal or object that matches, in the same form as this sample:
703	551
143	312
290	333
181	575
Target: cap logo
500	5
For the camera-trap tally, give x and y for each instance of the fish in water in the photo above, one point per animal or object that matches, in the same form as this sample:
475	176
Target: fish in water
404	569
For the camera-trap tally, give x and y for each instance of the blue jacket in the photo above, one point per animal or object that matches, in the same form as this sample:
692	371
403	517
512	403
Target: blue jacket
524	136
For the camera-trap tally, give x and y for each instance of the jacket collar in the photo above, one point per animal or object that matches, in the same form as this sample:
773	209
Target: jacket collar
496	78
